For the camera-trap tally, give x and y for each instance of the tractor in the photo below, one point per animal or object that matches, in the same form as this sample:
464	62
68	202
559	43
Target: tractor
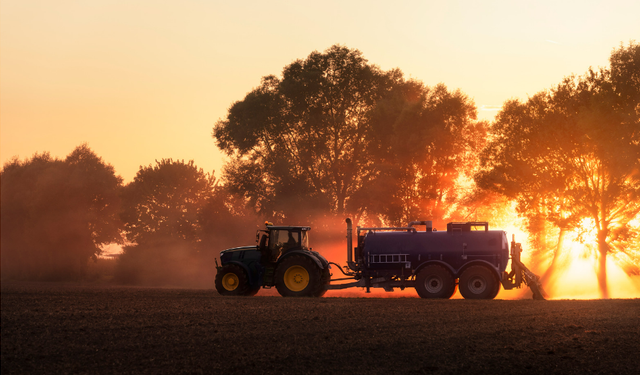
282	259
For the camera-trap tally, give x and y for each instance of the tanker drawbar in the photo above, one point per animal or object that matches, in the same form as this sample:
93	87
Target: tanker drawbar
467	256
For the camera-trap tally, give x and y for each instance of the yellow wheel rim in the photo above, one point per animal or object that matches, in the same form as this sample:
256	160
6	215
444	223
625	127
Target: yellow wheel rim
296	278
230	281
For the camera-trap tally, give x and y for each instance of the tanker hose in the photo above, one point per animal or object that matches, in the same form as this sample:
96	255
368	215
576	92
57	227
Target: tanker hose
340	268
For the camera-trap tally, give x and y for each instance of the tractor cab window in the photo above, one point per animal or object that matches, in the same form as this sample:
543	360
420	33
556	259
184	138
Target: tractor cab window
292	240
281	241
304	241
282	238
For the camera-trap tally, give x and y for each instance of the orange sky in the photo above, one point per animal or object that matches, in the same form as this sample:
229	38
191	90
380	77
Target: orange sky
145	80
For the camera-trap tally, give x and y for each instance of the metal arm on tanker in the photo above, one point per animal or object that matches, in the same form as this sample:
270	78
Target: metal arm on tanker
520	273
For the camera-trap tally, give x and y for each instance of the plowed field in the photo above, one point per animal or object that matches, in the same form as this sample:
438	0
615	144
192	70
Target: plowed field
64	328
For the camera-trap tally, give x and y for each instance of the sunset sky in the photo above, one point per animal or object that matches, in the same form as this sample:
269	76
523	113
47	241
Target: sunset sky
146	80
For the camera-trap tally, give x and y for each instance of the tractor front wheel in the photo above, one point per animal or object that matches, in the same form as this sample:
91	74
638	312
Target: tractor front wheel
231	280
299	276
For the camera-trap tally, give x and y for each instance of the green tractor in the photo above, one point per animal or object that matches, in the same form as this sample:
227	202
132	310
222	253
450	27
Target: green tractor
281	258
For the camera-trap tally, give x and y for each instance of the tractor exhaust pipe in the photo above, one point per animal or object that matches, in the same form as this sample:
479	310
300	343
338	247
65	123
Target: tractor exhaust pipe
349	243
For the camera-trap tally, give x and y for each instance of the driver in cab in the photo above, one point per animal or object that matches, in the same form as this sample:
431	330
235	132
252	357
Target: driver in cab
291	243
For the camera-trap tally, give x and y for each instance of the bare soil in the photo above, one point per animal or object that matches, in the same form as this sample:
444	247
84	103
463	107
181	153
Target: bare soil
66	328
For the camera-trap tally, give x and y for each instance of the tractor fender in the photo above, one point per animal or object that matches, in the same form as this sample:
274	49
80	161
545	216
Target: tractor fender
315	256
323	260
438	262
483	263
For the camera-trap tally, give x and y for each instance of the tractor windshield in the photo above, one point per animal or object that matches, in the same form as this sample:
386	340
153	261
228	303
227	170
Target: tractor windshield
283	240
280	239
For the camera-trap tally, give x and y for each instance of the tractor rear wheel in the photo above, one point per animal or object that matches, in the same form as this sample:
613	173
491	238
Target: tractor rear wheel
435	282
326	276
478	282
299	276
231	280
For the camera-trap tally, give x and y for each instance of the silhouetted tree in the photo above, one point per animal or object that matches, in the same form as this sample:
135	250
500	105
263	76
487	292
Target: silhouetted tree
574	152
56	214
163	200
162	209
337	135
517	160
298	143
423	140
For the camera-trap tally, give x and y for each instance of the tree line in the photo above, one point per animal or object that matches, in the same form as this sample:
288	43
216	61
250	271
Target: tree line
336	136
58	214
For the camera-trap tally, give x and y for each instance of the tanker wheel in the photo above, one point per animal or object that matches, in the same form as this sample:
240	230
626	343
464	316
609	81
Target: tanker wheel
435	282
478	282
231	280
495	291
299	276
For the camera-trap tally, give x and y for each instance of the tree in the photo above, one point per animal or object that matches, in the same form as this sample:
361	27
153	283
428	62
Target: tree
299	143
56	214
162	213
329	135
573	153
163	201
516	165
423	141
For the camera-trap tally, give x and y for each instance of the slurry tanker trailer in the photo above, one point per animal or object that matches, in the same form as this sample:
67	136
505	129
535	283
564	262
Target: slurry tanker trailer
467	256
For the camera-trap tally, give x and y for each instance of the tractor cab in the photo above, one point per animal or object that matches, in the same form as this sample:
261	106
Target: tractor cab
276	241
